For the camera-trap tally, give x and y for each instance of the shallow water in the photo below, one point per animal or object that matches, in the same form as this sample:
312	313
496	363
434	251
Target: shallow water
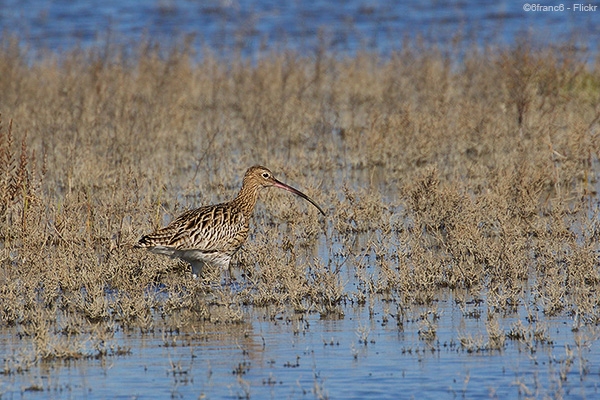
365	354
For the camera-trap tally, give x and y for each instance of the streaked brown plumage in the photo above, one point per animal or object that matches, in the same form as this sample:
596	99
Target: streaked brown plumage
212	234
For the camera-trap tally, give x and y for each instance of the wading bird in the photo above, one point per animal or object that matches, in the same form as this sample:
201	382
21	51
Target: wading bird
212	234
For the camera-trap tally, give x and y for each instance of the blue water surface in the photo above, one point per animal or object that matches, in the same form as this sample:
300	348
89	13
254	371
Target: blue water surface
250	27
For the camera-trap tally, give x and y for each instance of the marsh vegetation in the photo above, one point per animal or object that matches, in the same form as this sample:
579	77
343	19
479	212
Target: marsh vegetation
463	175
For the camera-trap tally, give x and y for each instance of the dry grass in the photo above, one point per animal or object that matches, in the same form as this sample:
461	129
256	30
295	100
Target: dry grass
437	175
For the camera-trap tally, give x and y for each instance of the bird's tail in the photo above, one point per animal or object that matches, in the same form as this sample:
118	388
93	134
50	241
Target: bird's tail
144	242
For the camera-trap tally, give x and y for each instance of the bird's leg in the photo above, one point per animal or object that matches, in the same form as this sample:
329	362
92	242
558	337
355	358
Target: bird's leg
228	272
196	268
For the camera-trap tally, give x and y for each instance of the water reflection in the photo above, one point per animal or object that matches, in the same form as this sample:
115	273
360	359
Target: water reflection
374	351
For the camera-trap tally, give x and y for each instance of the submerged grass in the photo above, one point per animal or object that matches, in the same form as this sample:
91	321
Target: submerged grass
477	176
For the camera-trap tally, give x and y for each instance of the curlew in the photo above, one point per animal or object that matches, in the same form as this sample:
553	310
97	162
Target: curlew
212	234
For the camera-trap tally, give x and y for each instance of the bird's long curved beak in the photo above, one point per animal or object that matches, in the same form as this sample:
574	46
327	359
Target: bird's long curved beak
282	185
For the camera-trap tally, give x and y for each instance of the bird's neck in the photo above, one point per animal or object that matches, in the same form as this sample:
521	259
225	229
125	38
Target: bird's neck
246	198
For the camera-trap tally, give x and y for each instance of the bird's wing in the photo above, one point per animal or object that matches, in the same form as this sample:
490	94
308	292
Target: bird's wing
209	228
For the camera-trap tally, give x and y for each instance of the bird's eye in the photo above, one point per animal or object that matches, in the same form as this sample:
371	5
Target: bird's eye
265	175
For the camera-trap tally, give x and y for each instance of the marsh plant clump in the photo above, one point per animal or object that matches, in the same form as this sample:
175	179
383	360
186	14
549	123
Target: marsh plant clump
476	177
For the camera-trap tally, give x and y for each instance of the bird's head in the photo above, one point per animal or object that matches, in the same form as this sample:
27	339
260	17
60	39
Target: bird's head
260	177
